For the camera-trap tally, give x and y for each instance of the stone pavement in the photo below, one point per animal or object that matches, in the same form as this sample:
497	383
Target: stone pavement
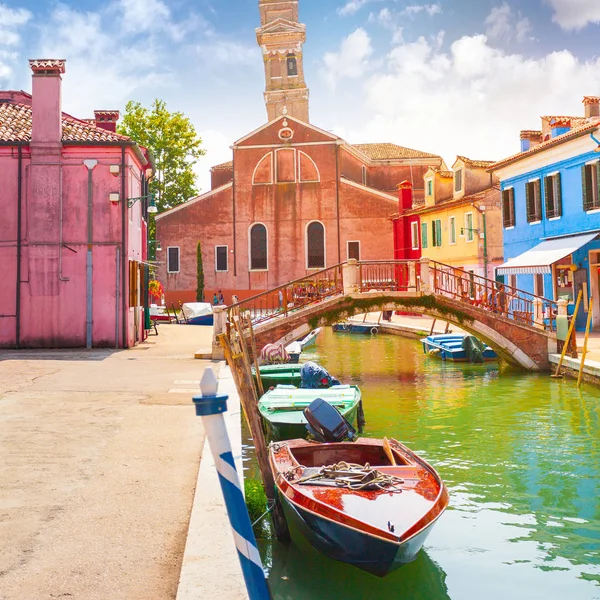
99	454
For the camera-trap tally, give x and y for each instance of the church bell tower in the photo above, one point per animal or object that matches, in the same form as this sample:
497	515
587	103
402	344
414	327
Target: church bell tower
281	38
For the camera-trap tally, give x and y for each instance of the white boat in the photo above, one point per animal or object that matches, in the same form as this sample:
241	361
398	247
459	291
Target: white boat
295	348
198	313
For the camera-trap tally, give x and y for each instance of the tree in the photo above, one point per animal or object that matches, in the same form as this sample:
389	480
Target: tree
175	145
199	276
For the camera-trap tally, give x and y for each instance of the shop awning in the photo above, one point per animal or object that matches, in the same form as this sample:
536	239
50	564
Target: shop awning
541	257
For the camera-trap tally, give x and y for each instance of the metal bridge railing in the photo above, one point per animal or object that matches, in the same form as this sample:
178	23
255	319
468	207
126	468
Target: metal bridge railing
395	276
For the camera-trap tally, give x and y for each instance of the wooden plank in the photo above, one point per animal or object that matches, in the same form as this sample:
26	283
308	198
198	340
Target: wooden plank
261	389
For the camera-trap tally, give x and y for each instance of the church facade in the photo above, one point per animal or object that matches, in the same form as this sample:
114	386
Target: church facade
295	198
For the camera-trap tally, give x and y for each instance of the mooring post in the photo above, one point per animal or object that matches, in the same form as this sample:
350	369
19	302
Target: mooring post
211	406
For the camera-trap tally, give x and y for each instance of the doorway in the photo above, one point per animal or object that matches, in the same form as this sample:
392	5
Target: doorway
594	262
580	282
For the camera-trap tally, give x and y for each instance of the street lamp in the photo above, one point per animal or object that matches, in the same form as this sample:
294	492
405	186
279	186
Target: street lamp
115	198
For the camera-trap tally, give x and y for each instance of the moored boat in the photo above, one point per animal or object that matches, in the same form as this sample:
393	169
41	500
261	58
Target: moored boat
296	348
375	517
198	313
282	408
284	374
349	327
458	348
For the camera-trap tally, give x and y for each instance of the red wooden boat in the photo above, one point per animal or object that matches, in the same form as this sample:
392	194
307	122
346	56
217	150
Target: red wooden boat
376	519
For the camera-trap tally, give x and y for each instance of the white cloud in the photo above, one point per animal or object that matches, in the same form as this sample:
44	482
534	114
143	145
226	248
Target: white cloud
415	9
351	7
504	24
351	61
11	21
471	100
575	14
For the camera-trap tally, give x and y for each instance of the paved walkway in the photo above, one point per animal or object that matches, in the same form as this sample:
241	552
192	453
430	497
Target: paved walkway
99	454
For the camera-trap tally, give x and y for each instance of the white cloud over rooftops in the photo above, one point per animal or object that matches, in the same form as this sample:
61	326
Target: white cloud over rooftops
575	14
11	21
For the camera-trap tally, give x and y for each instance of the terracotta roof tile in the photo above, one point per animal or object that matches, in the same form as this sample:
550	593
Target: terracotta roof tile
588	125
477	164
226	166
391	152
15	126
447	174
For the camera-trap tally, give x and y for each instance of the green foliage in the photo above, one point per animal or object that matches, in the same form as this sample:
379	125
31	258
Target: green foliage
256	501
199	276
353	306
175	145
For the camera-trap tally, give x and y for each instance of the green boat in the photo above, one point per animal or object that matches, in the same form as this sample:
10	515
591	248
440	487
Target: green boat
274	375
282	408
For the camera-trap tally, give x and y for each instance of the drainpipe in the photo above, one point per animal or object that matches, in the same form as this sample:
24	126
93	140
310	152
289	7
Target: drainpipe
19	246
337	198
89	270
124	253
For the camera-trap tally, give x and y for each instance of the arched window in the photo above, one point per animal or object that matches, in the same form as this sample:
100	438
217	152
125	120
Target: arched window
315	246
292	66
258	247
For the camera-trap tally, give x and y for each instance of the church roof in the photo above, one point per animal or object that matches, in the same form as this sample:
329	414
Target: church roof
226	166
391	152
15	126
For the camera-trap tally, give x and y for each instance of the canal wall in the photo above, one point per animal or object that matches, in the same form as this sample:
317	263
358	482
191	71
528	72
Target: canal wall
570	368
211	569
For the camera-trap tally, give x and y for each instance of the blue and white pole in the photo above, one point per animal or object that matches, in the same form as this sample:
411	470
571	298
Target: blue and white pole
210	406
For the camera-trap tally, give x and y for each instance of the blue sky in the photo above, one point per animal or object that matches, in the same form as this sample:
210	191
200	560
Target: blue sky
450	77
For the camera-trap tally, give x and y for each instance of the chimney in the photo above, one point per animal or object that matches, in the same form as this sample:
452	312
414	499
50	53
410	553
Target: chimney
107	119
592	106
530	139
559	126
405	196
46	106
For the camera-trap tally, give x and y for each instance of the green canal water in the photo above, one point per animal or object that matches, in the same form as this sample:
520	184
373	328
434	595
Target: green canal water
520	455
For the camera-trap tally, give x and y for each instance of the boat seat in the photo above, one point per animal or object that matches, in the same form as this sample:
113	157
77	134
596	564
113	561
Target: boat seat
403	471
285	386
341	386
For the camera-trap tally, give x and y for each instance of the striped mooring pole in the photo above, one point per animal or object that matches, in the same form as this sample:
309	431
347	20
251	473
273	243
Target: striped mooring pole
211	406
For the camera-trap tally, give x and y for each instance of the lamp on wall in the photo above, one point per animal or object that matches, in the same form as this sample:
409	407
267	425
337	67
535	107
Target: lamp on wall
115	198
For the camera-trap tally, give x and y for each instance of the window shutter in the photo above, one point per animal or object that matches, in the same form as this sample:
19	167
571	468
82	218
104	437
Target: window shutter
584	188
439	232
547	196
511	207
558	199
529	203
424	235
433	236
538	199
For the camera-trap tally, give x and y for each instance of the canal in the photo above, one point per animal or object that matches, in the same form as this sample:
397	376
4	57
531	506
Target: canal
520	455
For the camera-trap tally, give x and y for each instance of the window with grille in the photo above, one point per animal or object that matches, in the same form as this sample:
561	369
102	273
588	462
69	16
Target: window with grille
258	247
221	258
424	235
553	196
315	246
173	259
590	179
354	250
508	207
292	66
533	200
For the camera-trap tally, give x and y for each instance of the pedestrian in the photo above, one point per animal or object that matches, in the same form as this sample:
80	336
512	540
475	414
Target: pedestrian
502	299
221	299
234	299
280	296
215	299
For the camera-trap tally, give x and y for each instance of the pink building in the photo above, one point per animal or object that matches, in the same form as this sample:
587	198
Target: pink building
72	235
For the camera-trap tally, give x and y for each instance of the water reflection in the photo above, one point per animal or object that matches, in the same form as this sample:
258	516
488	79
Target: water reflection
520	455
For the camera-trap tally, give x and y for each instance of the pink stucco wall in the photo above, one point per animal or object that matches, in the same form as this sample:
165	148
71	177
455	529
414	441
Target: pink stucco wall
54	237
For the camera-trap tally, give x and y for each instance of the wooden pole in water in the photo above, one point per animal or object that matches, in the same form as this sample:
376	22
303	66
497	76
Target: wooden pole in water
566	346
236	357
585	342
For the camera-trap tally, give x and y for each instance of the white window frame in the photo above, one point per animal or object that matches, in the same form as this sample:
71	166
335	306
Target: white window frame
415	235
250	248
452	231
217	270
469	233
259	163
348	249
178	259
324	246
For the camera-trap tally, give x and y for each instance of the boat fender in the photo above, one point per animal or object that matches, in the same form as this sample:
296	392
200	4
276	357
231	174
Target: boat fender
374	330
391	528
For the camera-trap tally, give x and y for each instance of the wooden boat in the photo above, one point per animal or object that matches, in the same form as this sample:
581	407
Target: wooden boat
455	347
274	375
282	408
296	348
198	313
378	528
356	328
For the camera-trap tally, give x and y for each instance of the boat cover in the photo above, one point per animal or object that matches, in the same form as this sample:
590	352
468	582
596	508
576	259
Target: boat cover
191	310
314	376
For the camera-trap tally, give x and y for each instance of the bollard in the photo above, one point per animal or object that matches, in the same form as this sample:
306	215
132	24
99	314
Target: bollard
210	406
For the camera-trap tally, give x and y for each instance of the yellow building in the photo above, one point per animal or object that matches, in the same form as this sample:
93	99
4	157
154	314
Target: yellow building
461	217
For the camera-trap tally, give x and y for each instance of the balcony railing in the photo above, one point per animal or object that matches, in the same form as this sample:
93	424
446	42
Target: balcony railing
395	275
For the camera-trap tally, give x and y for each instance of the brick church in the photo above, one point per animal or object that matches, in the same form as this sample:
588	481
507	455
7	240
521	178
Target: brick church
295	198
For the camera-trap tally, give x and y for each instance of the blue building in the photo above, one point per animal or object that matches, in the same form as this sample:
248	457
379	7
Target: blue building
551	211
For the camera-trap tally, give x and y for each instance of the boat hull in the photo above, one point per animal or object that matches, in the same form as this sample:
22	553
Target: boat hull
273	375
204	320
355	328
366	552
449	348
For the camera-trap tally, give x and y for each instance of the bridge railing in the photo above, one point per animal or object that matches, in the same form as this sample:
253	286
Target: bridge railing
513	303
297	294
394	275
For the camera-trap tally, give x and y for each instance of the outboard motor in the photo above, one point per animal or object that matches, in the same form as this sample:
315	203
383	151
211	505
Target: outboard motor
326	424
314	377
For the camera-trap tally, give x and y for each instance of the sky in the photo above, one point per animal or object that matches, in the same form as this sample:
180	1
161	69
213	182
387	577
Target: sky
452	77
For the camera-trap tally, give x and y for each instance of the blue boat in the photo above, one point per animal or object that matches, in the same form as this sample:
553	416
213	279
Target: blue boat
458	348
363	328
198	313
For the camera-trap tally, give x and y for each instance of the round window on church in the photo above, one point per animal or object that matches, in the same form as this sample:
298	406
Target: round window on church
286	134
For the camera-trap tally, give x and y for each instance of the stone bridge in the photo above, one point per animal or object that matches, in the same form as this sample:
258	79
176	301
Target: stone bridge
517	325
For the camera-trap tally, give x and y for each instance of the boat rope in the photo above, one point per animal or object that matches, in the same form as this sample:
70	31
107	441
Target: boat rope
270	506
351	476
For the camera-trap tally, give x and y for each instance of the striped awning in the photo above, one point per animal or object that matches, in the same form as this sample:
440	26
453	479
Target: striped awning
539	259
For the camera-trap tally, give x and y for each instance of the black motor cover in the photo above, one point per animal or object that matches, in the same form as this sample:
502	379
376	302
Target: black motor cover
326	424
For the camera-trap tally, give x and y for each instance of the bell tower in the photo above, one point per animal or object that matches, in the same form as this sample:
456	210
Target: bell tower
281	38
